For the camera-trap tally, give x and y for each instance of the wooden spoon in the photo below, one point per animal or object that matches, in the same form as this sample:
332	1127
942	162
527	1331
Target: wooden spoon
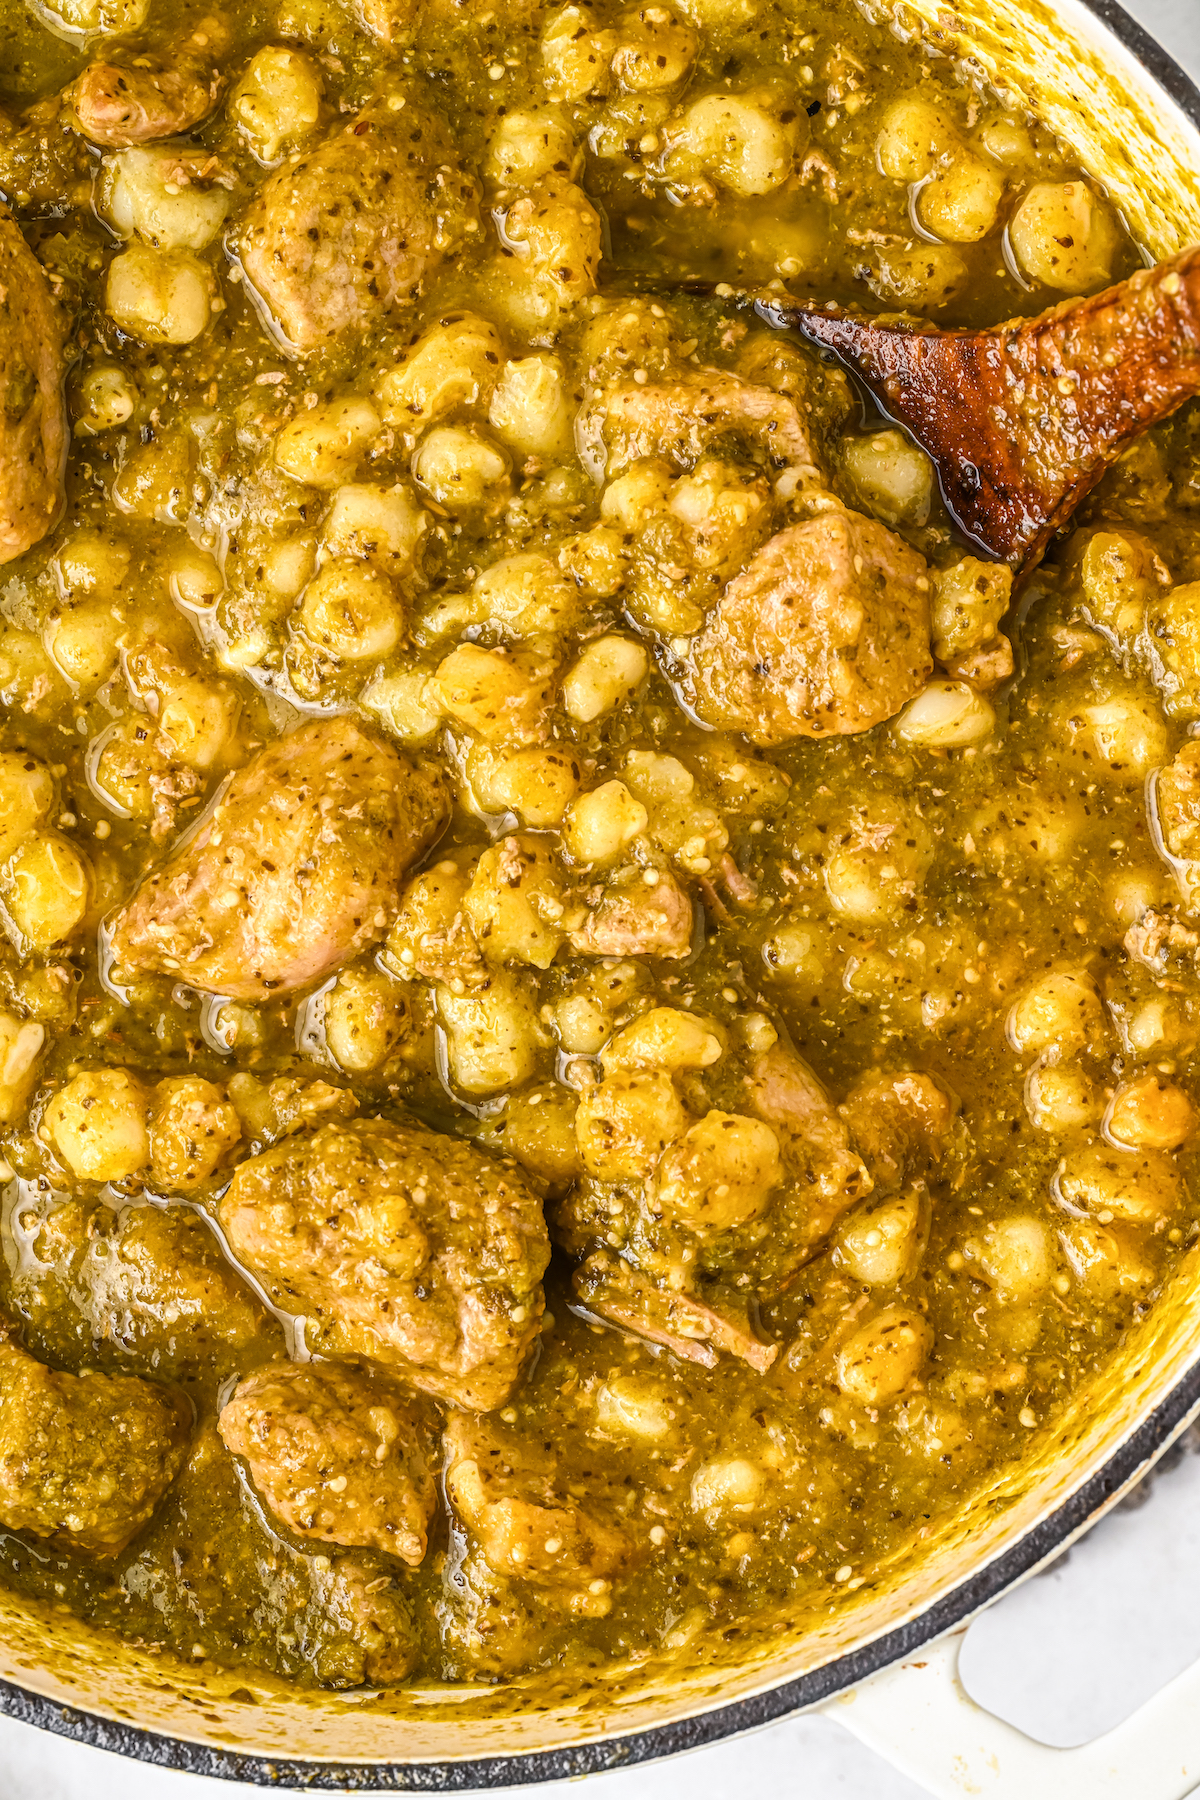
1022	421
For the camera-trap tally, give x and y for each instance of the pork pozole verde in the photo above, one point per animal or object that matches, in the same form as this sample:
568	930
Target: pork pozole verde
595	1026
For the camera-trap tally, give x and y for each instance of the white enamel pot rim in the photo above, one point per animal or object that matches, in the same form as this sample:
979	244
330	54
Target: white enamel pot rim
1134	118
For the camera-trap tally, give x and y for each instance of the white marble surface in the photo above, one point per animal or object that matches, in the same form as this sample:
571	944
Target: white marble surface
1176	25
1065	1657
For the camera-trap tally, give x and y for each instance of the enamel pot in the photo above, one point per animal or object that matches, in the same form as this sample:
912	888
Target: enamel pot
1133	120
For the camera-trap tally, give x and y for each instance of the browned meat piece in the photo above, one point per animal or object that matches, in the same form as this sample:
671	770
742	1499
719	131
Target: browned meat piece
337	1454
401	1245
298	867
1023	420
118	107
614	1289
631	918
85	1459
739	886
528	1528
143	98
490	1627
148	1283
354	1599
825	631
682	419
346	230
898	1122
33	416
538	1544
825	1174
823	393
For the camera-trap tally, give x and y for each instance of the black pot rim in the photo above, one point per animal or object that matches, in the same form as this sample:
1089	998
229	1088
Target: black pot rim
607	1755
1158	62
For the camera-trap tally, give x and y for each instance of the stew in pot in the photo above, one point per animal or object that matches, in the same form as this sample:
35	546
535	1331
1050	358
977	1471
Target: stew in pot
597	1023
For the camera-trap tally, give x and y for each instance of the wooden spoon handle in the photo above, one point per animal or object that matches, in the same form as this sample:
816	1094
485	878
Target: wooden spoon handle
1021	421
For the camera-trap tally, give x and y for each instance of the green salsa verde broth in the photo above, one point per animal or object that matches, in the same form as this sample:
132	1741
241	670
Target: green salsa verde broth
958	916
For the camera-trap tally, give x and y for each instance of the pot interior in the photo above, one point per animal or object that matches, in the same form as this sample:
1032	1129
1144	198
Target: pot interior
249	1714
1134	138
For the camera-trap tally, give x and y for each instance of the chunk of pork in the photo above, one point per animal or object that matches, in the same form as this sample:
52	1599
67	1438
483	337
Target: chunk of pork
298	867
84	1459
401	1245
339	1455
33	414
138	99
344	231
825	632
527	1526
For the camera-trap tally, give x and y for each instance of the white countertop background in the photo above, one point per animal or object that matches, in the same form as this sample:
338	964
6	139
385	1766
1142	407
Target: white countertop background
1065	1657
